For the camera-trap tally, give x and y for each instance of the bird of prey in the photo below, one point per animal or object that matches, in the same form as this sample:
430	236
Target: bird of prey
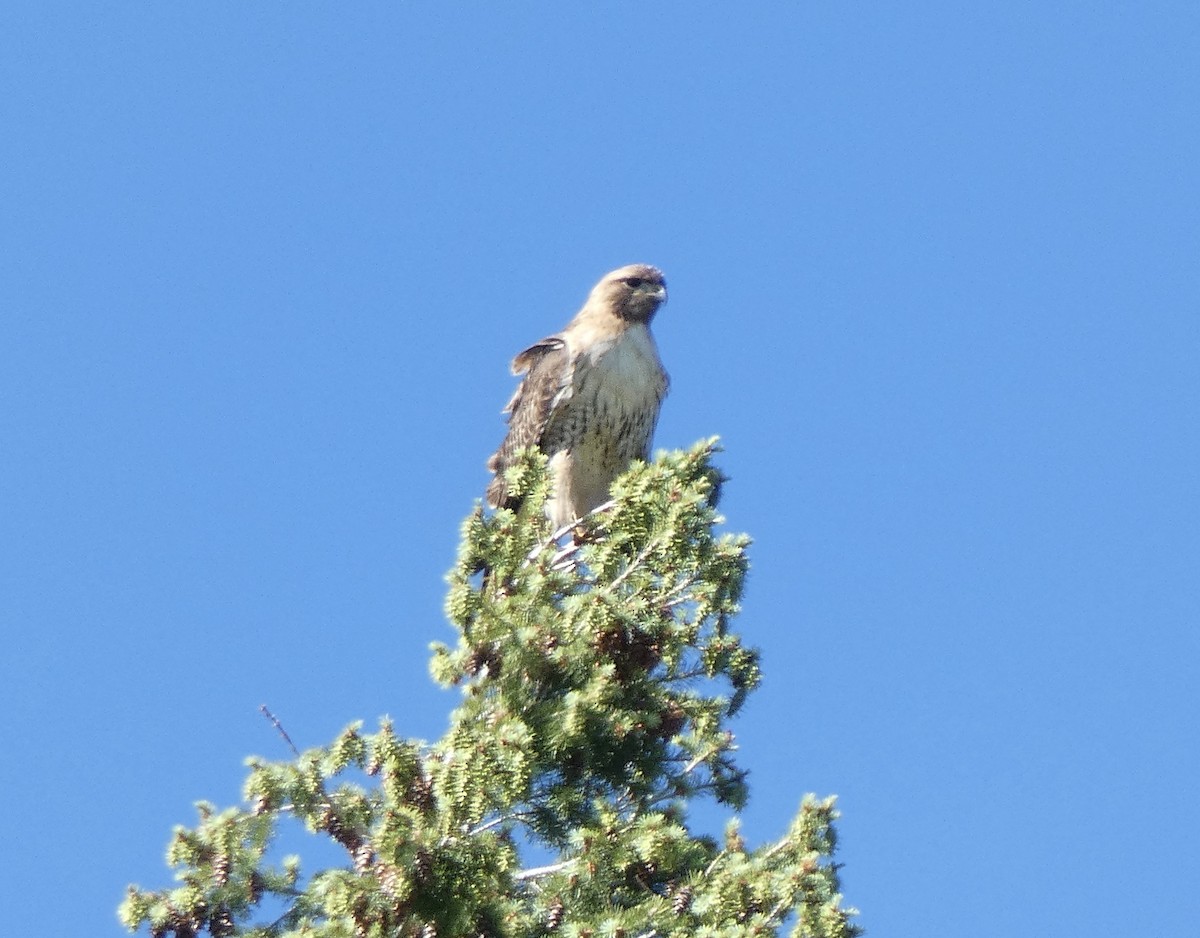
590	396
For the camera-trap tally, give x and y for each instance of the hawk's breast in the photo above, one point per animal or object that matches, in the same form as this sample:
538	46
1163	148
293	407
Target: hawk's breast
617	388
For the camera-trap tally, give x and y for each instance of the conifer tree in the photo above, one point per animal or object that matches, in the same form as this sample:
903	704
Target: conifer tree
598	671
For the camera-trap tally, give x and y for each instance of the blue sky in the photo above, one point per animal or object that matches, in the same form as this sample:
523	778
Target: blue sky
934	281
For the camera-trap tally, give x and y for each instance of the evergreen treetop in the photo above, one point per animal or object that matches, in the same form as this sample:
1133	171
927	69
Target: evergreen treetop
598	670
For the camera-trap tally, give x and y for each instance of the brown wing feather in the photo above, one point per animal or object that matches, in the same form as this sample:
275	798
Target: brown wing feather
547	369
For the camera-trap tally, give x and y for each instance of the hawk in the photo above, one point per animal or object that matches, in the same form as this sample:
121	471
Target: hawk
590	396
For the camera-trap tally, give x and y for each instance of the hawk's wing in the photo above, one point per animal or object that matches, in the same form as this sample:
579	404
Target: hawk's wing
547	383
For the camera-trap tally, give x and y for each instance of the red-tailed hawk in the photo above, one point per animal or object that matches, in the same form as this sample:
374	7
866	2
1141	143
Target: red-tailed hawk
590	396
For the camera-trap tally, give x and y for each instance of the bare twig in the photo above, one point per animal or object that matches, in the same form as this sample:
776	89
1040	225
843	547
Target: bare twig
279	727
564	559
565	529
552	539
675	595
634	564
775	848
496	822
782	906
537	871
703	757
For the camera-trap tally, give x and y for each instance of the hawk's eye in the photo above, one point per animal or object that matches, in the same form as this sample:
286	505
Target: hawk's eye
634	282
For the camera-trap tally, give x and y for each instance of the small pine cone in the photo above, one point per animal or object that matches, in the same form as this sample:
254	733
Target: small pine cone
481	657
220	925
420	793
256	887
555	914
671	721
423	867
220	869
364	856
644	651
611	643
389	878
682	900
332	822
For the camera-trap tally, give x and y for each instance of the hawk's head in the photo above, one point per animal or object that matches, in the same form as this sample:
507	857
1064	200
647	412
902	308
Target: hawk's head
634	292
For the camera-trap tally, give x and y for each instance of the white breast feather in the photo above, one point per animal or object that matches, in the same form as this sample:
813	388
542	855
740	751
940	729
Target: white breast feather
627	369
